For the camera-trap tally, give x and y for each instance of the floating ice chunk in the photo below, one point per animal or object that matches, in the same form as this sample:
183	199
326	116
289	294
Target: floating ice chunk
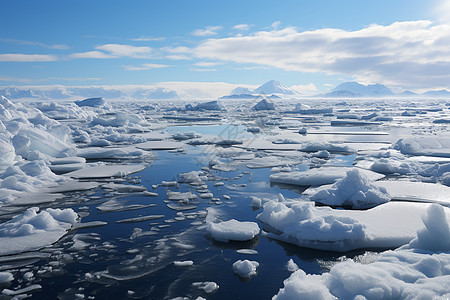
211	105
232	230
331	147
138	232
71	186
428	146
245	268
191	177
116	205
100	153
247	251
186	263
106	171
24	290
292	266
91	224
256	202
323	228
66	168
416	191
124	188
264	104
141	219
186	135
6	277
180	196
355	190
33	230
318	176
208	286
412	271
181	207
91	102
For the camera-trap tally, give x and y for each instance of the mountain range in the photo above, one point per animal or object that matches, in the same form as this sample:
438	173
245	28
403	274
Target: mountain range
271	89
354	89
274	88
87	92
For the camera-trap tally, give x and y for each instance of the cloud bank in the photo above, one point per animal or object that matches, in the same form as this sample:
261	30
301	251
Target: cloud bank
411	54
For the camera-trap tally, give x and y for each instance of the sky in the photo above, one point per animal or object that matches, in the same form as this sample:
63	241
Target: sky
311	46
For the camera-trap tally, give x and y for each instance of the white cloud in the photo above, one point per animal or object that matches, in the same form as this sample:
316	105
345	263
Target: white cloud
242	27
92	54
148	39
208	30
206	64
126	50
178	57
33	43
412	54
145	67
276	24
177	50
202	70
27	57
305	88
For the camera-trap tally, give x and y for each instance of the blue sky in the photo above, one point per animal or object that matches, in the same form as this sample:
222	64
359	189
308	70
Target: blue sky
311	45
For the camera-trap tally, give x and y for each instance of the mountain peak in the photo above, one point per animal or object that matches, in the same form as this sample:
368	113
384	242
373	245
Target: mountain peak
356	89
274	87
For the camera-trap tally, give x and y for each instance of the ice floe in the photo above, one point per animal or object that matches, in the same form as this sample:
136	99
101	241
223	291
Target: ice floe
33	230
319	176
245	268
231	230
416	270
305	225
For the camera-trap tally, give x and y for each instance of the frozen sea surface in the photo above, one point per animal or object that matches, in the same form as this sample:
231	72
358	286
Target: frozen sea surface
109	199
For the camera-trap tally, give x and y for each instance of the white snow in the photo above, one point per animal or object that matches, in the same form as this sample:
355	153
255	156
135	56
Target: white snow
208	286
6	277
324	228
245	268
319	176
186	263
231	230
416	191
106	171
34	230
264	104
355	191
428	146
415	271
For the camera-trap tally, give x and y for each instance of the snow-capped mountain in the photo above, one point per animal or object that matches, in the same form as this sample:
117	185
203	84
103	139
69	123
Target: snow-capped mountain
355	89
240	91
440	93
274	87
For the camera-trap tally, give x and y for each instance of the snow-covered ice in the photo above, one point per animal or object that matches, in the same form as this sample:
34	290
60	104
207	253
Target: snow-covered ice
245	268
355	191
416	270
319	176
33	230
